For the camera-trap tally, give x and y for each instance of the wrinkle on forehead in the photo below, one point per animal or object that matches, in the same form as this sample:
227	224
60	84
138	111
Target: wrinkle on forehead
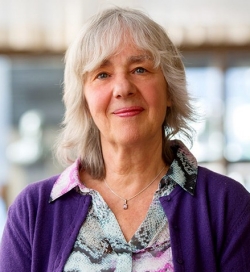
130	60
140	58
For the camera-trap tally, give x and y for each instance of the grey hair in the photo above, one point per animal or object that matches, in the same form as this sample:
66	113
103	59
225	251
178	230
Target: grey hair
99	39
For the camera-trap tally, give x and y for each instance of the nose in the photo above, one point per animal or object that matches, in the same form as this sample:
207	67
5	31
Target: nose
123	87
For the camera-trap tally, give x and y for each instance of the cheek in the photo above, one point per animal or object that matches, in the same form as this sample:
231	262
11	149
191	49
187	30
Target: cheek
163	94
157	97
96	102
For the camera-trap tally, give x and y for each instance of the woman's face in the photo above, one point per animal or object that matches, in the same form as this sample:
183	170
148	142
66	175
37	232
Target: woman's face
127	98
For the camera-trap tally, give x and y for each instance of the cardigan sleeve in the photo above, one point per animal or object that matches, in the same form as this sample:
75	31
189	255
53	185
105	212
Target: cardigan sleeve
15	249
17	245
236	254
229	211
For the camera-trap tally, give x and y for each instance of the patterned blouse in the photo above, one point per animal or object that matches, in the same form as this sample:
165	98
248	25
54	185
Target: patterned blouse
100	245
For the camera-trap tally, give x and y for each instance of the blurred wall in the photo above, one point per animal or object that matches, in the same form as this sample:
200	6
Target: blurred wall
51	24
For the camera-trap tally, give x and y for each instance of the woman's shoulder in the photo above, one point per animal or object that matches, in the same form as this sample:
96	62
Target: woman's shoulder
35	192
41	185
219	187
209	177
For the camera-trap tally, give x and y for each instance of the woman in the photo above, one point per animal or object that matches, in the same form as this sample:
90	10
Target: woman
132	198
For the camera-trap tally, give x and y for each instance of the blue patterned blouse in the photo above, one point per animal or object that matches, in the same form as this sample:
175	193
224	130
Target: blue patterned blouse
100	244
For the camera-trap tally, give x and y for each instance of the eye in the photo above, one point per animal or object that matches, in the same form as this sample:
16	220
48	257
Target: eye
102	75
139	70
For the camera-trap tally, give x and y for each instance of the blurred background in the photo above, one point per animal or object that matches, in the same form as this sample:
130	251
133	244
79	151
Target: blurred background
213	36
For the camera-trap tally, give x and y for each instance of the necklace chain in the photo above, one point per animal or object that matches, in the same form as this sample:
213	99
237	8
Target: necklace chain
125	204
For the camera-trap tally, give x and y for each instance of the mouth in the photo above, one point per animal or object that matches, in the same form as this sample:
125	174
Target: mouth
128	111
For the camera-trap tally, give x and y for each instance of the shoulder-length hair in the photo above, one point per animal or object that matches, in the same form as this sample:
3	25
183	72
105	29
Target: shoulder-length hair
100	38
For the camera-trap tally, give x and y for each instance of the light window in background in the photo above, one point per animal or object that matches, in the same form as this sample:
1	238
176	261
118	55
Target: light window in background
205	85
237	118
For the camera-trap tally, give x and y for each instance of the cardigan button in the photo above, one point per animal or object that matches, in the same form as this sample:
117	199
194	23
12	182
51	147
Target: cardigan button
176	227
180	261
168	198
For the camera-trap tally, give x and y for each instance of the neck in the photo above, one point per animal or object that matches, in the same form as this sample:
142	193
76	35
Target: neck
125	204
132	167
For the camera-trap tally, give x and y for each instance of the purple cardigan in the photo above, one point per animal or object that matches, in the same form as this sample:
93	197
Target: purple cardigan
209	231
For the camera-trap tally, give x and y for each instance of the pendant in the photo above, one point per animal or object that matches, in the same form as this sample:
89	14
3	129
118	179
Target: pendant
125	205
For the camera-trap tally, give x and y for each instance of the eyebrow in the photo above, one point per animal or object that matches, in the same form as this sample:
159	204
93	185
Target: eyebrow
131	60
139	58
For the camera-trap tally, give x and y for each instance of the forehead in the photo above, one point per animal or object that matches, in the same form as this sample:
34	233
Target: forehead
131	59
104	52
128	55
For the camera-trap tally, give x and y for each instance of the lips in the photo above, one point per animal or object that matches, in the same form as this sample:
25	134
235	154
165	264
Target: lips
128	111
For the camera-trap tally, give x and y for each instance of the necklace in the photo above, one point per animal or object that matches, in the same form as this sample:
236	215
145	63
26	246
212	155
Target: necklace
125	204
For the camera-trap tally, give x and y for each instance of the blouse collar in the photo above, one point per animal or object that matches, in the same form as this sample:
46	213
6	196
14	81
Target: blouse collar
182	171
